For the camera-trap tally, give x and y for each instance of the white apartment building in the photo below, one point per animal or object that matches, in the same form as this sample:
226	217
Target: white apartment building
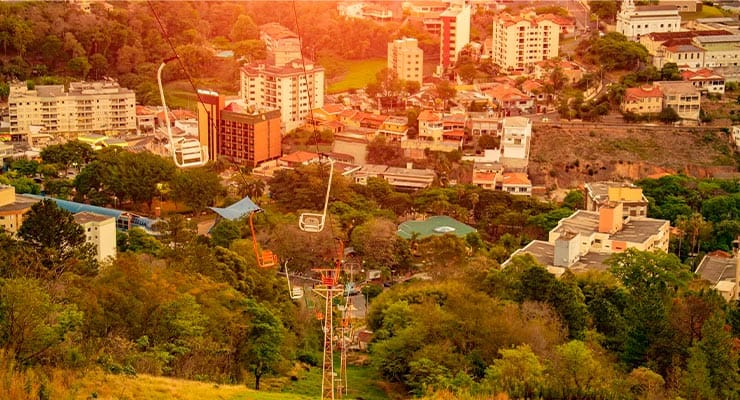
454	33
284	81
634	21
520	41
87	107
406	59
100	230
516	137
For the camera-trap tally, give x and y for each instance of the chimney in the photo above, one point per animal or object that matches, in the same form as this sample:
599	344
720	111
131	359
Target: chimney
610	218
566	249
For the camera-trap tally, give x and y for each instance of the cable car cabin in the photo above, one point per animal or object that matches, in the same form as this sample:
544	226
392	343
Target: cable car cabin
311	222
265	258
314	222
296	293
186	152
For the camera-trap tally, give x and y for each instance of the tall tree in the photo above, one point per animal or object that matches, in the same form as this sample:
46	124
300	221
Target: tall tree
58	238
261	349
196	187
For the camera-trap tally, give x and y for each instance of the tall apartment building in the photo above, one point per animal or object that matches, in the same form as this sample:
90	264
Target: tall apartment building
406	59
87	107
100	231
249	137
522	40
284	81
635	21
454	33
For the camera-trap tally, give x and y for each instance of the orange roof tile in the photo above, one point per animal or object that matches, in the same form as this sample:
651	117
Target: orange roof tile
428	116
299	156
516	178
642	92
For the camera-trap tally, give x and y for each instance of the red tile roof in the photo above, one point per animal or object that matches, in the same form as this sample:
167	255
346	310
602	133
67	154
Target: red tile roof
428	116
299	157
642	93
516	178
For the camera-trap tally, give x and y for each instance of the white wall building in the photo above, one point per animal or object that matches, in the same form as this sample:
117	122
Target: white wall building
635	21
516	137
100	230
284	82
87	107
519	41
454	33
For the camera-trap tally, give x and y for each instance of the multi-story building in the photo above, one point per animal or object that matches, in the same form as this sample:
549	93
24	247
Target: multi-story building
720	51
705	80
584	240
600	194
635	21
87	107
406	59
12	209
684	48
683	97
249	137
286	81
643	100
431	126
454	33
394	129
516	137
522	40
100	231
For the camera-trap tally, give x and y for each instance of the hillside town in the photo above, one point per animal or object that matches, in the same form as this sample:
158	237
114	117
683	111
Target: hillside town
512	199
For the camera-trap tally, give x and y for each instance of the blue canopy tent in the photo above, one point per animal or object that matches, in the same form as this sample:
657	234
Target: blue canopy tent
237	210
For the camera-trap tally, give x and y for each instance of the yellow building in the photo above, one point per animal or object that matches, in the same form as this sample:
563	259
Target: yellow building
406	59
643	100
12	209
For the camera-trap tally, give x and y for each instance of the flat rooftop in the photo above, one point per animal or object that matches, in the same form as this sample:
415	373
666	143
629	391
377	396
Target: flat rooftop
716	269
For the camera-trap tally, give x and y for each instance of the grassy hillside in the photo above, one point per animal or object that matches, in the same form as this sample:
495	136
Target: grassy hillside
104	386
358	74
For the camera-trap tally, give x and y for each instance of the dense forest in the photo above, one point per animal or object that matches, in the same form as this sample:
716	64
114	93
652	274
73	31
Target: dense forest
51	42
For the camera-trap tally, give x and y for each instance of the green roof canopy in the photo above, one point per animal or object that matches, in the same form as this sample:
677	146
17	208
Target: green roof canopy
434	226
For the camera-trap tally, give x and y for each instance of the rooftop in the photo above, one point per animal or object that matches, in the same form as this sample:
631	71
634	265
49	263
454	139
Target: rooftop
716	268
84	217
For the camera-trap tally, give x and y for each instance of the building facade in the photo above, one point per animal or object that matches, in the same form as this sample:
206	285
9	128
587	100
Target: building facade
87	107
100	231
210	105
12	209
454	33
249	138
643	100
683	97
635	21
285	81
519	41
406	59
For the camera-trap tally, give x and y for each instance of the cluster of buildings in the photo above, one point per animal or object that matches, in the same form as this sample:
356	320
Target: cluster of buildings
614	221
99	227
681	96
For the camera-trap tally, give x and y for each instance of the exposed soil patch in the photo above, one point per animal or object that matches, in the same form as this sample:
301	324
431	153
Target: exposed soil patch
567	155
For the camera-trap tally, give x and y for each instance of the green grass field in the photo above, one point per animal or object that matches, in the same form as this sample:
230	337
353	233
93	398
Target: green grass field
362	382
358	74
706	12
